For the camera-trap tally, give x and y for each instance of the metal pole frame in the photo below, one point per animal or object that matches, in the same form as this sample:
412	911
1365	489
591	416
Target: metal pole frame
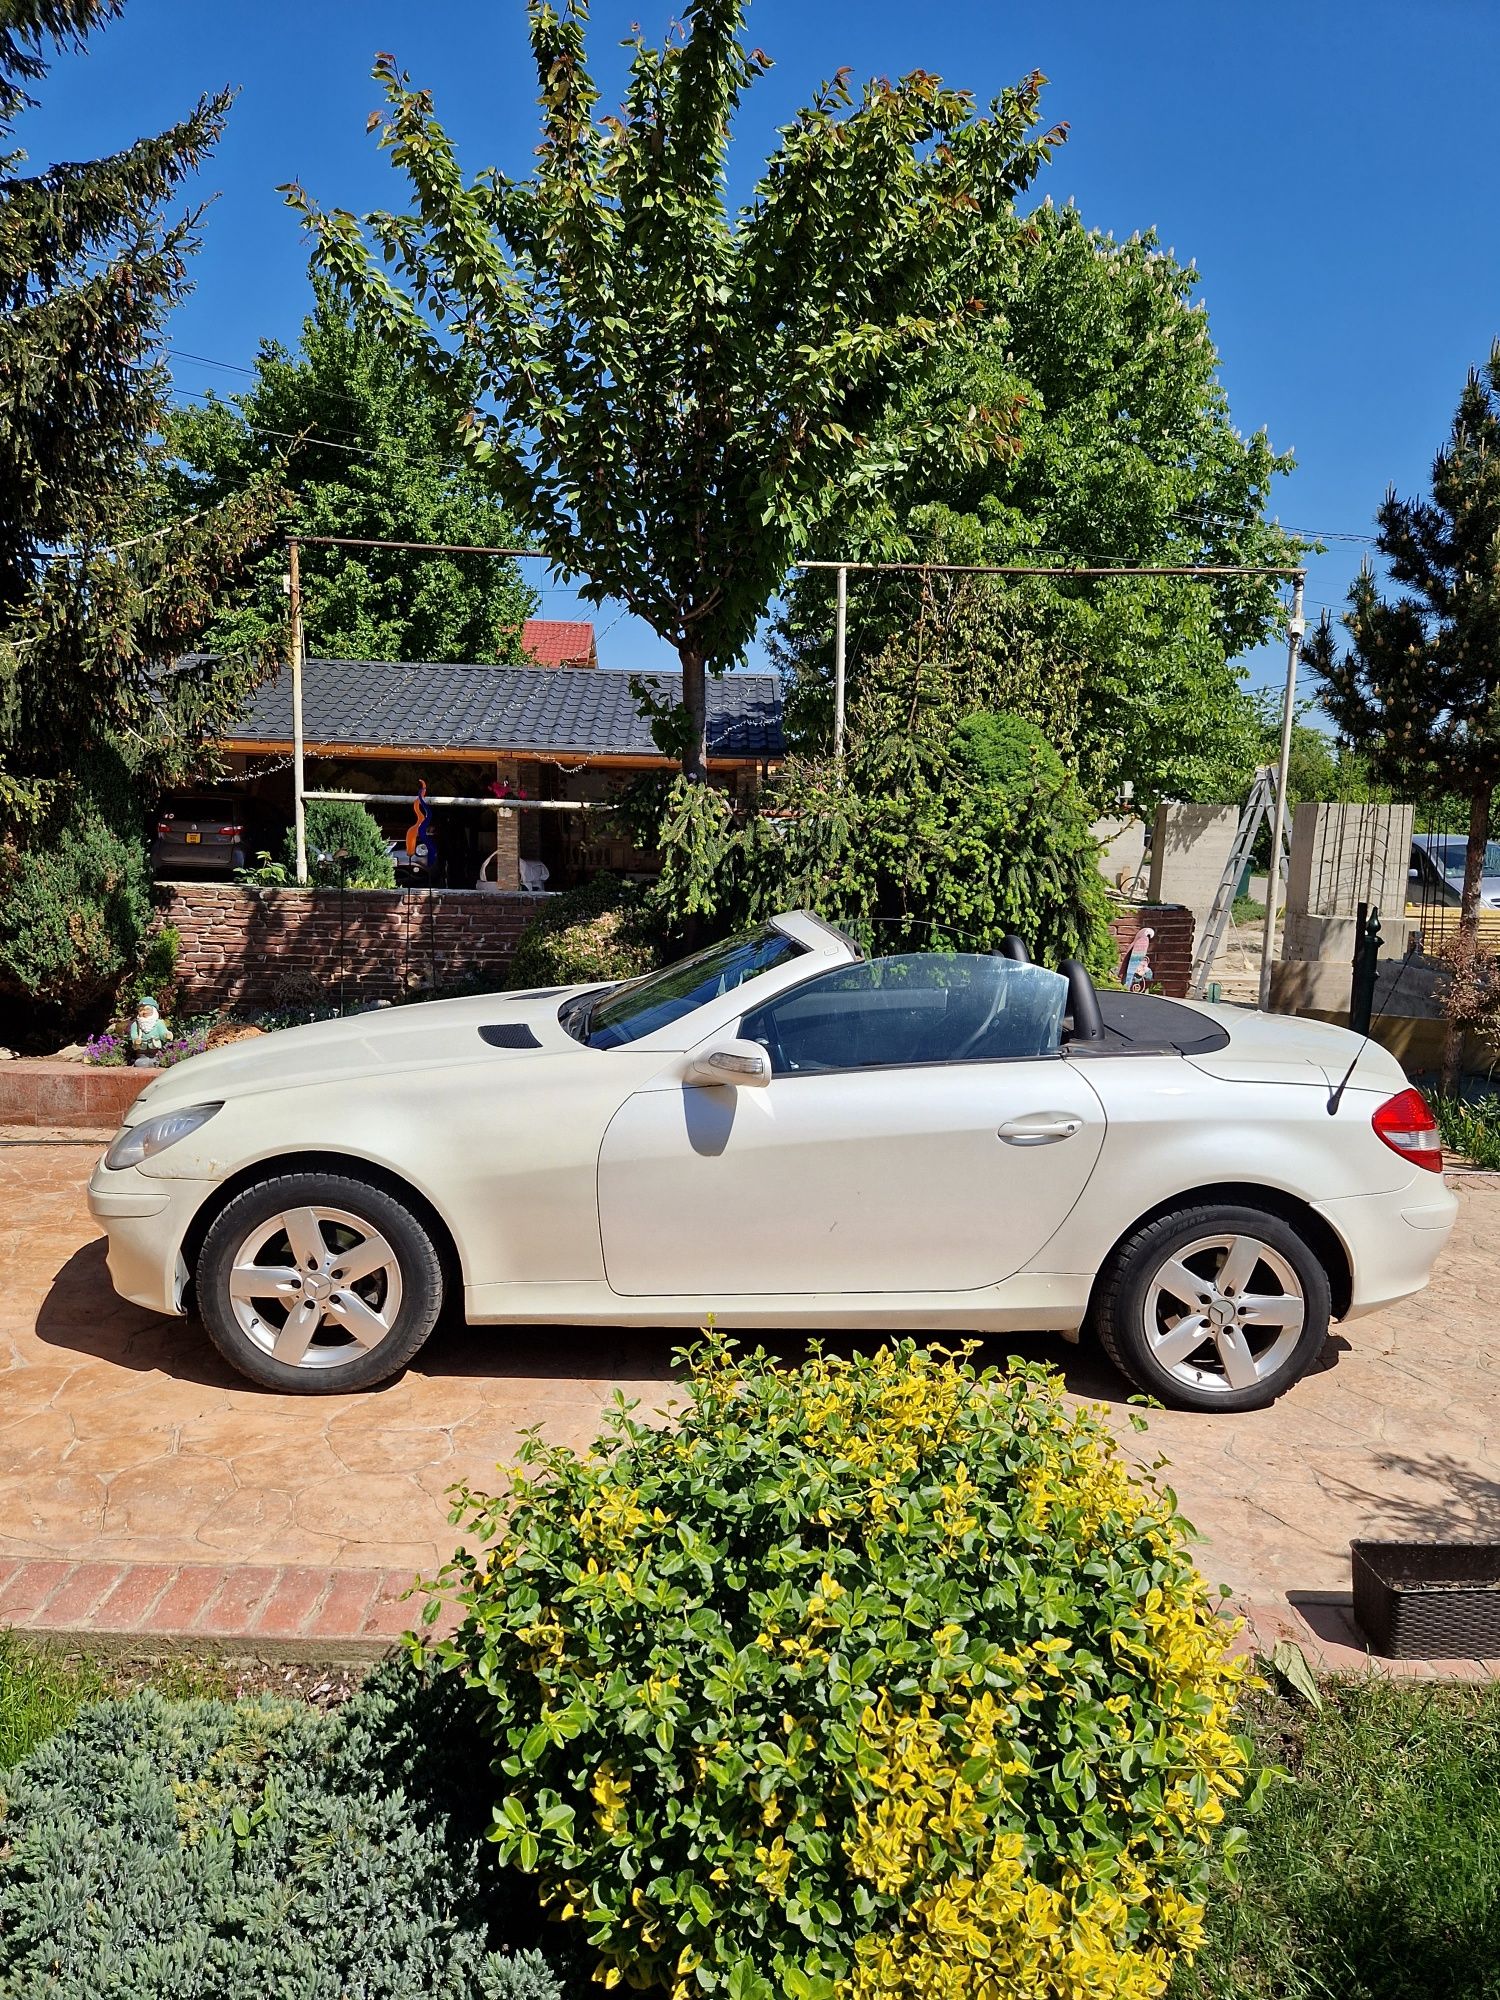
1295	629
840	634
299	786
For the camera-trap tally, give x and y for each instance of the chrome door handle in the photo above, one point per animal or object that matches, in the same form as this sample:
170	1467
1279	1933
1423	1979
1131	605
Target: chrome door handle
1039	1128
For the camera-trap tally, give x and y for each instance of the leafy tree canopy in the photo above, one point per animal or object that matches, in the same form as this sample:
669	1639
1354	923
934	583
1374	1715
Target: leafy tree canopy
90	265
1124	453
667	393
1417	689
369	452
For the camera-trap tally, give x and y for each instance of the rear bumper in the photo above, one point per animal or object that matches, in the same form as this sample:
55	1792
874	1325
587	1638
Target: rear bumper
1393	1239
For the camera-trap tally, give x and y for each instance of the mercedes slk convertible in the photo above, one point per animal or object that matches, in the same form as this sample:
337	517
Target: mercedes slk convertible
782	1132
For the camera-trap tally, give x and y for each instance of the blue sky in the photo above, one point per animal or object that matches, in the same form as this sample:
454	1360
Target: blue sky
1333	169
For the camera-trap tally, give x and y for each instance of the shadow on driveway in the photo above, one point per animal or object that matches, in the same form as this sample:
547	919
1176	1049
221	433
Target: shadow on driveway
82	1313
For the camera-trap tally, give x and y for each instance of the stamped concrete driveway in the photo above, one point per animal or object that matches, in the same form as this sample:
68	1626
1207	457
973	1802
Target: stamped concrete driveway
124	1438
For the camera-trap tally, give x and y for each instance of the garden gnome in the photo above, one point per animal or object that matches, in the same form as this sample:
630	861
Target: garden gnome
149	1033
1135	968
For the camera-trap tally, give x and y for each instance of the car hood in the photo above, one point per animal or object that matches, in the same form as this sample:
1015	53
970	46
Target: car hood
433	1033
1289	1048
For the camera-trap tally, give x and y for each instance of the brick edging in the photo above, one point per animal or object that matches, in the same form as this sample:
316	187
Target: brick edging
268	1610
283	1611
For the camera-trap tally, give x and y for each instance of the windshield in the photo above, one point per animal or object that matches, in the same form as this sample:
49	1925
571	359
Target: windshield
1449	853
626	1013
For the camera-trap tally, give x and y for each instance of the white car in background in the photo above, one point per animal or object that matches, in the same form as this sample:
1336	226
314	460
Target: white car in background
781	1132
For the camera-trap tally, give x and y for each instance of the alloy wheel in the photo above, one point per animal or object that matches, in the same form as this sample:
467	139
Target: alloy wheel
313	1287
1224	1313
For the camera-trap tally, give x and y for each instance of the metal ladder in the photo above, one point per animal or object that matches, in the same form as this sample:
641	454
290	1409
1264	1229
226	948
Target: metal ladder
1261	804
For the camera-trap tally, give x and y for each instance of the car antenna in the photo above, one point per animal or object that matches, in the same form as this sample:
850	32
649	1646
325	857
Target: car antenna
1336	1095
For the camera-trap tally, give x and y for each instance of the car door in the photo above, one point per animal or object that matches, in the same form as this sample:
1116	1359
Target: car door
899	1146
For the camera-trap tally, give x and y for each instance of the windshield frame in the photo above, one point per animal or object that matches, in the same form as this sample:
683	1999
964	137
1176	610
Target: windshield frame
578	1015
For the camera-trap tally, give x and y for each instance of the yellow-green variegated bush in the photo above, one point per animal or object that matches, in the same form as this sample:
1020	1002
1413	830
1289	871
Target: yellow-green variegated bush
880	1677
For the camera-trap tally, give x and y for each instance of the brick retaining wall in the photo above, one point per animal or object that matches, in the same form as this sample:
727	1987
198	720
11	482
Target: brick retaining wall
1172	947
52	1092
262	947
265	947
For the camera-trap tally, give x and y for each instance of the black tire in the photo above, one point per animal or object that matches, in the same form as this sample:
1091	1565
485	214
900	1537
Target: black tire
1125	1311
335	1361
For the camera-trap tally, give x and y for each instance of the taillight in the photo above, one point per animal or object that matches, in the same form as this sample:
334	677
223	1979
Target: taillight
163	828
1405	1123
233	832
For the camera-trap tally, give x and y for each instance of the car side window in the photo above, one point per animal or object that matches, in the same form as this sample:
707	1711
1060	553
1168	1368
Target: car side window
904	1010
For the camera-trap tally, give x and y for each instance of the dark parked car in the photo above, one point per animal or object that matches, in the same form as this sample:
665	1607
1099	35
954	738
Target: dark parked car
202	833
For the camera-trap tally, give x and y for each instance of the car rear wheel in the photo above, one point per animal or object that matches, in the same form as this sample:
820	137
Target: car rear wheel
318	1284
1214	1308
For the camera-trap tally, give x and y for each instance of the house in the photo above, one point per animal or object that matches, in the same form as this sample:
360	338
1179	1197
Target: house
559	642
566	731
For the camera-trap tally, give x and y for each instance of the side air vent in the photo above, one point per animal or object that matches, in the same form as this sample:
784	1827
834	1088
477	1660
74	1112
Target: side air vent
509	1035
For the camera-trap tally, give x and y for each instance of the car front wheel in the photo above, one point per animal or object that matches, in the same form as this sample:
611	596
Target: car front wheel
1214	1308
318	1283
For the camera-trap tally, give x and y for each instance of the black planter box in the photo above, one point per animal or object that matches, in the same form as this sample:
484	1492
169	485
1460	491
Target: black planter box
1428	1600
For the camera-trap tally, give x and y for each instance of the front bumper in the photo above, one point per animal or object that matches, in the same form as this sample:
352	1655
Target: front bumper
1393	1239
146	1221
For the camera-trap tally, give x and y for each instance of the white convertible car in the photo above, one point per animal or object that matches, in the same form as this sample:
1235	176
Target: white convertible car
780	1132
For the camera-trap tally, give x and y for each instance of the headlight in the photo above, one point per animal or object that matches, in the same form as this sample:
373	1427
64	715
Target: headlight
153	1135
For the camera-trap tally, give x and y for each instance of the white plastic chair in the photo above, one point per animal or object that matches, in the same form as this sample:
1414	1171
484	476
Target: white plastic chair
534	875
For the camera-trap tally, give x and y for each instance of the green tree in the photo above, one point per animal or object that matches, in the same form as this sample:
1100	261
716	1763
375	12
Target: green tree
345	847
671	392
1417	690
369	452
90	265
91	602
1124	453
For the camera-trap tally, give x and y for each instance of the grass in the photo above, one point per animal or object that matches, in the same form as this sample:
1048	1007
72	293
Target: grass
1247	910
1470	1126
1373	1871
42	1690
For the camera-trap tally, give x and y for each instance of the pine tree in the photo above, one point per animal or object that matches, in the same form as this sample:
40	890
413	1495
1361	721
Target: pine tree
90	265
1418	691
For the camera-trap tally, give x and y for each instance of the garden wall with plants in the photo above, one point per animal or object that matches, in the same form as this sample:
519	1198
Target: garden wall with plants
271	947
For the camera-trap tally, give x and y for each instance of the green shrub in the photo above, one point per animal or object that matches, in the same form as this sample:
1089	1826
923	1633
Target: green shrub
158	1849
929	842
1469	1126
877	1677
157	971
74	903
597	931
340	823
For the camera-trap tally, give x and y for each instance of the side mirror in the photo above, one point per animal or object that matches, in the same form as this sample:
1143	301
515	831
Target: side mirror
738	1063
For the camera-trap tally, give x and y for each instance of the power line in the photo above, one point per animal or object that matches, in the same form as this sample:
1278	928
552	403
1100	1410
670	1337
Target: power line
1189	516
233	367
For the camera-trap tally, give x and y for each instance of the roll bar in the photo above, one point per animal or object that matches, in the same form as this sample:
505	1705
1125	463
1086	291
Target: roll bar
1083	1003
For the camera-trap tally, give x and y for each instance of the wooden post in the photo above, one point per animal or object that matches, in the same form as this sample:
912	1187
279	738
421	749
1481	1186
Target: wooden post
299	792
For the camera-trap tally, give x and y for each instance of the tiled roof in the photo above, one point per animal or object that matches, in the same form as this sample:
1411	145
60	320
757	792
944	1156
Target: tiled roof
423	706
559	642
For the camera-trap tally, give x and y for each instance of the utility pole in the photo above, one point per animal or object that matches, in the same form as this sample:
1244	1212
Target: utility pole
1295	630
840	631
299	795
